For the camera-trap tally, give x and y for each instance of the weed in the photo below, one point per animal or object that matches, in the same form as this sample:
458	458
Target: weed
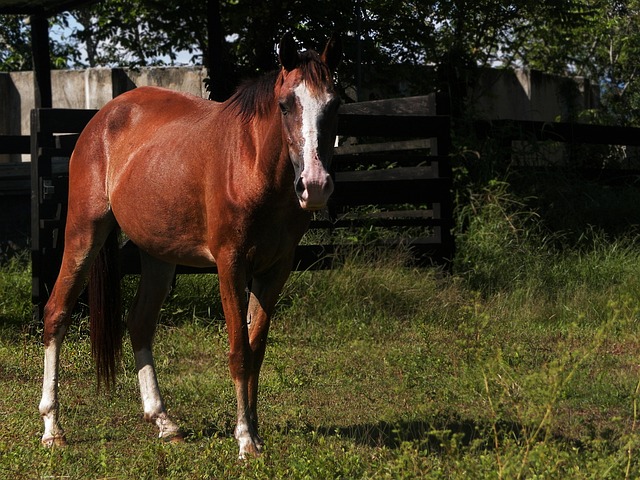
521	364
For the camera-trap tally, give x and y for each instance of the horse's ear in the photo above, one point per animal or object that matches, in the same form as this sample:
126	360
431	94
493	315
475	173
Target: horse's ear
332	53
288	52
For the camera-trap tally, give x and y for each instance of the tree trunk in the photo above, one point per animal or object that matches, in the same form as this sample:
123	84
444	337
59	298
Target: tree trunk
220	72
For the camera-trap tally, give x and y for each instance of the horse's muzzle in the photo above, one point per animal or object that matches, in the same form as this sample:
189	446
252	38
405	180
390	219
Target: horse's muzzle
314	192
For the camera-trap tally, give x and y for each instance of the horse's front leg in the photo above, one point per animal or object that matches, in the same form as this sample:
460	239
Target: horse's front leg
265	290
233	284
248	326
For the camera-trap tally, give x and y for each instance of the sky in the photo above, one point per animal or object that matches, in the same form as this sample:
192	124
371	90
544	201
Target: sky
60	33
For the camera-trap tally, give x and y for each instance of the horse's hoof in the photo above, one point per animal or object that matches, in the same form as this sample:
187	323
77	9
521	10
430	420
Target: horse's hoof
250	450
54	441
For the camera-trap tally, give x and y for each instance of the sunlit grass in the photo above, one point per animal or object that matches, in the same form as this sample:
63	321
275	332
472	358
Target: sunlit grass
523	363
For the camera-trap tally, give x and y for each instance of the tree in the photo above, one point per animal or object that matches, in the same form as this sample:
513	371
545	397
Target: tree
613	57
140	32
220	82
595	38
15	44
15	47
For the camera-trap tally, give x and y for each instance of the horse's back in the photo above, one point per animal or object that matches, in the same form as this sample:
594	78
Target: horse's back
143	158
142	129
137	116
140	111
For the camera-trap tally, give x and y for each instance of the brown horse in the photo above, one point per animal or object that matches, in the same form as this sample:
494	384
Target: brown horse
199	183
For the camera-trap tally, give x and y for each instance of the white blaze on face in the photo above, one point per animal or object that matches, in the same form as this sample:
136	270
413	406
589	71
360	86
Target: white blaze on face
317	183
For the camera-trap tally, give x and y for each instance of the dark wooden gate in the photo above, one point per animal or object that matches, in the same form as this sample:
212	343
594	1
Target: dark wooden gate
396	178
53	136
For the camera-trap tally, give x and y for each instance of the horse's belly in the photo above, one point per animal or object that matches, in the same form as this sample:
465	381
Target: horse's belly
165	230
180	251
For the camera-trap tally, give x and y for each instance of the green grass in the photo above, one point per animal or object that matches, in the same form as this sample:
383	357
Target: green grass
521	364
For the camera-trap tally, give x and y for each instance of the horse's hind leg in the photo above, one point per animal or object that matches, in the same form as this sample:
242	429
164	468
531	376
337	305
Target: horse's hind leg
81	248
155	283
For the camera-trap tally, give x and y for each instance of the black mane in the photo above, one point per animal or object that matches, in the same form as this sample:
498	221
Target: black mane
255	97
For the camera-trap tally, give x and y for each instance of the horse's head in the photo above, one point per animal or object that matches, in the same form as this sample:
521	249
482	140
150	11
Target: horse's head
309	109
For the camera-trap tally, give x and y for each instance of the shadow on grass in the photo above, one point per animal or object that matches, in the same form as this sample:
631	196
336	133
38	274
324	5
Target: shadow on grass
436	435
444	434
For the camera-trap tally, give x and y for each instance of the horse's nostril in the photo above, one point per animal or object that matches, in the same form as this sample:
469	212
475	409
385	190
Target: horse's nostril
300	188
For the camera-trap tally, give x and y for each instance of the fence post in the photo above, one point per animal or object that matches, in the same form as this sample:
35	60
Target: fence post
40	168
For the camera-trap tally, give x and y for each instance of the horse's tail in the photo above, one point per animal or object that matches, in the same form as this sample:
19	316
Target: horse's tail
105	315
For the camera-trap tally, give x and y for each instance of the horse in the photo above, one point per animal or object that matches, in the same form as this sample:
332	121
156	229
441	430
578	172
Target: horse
199	183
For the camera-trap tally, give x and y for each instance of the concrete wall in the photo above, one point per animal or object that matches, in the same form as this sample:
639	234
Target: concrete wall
90	88
498	94
531	95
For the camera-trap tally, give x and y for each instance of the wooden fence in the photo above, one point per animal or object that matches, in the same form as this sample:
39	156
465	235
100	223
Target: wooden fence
574	136
394	189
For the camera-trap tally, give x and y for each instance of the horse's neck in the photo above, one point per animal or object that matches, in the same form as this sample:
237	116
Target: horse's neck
271	152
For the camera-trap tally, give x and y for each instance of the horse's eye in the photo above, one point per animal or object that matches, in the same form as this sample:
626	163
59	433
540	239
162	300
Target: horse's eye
283	108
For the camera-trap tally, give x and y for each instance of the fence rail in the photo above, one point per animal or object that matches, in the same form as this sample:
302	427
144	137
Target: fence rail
560	132
406	178
398	180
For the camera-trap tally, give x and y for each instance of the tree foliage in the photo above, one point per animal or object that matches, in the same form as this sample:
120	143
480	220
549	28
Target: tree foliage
141	32
614	58
15	47
599	39
15	44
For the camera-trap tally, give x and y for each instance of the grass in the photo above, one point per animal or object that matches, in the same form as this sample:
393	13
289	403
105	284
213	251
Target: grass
521	364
